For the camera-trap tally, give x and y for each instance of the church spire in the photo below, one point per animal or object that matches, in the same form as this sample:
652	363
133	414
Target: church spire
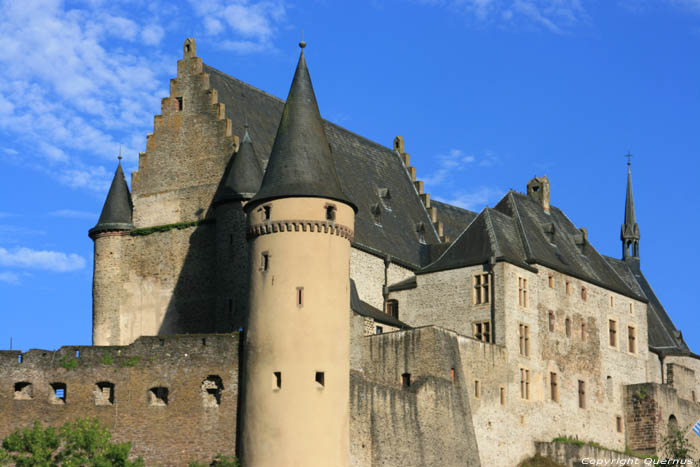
301	163
117	210
629	233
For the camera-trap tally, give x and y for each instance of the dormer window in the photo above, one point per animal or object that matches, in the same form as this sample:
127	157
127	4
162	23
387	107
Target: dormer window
420	231
330	212
385	197
376	214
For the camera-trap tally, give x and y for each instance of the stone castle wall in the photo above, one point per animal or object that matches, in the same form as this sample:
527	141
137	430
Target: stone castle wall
199	372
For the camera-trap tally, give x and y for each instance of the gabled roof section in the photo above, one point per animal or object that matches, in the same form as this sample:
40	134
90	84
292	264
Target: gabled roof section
365	309
491	235
117	210
552	240
301	163
381	167
663	334
243	175
454	219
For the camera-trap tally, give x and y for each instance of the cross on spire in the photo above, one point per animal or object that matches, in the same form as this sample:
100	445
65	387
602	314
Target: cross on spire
629	158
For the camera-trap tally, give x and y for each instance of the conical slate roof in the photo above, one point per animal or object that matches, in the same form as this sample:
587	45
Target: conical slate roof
630	229
243	176
117	210
301	163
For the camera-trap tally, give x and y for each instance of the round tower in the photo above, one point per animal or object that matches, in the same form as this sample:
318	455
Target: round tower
296	394
109	236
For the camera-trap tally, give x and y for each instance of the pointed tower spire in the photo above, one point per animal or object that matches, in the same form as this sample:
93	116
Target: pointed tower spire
117	210
243	177
629	233
301	163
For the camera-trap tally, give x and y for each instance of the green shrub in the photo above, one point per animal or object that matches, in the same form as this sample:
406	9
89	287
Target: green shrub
69	363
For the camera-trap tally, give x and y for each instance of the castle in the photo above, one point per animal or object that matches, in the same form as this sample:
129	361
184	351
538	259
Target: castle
277	287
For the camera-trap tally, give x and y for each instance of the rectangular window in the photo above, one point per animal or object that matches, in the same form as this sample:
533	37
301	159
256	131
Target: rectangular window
277	380
567	327
482	331
502	393
554	387
320	379
551	281
618	424
522	292
631	339
568	288
524	384
551	321
480	293
59	393
379	330
524	340
612	301
392	308
452	374
178	105
612	330
300	297
584	294
265	261
631	309
406	380
477	389
581	394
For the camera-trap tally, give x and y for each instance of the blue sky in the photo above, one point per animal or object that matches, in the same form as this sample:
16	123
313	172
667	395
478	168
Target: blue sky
487	94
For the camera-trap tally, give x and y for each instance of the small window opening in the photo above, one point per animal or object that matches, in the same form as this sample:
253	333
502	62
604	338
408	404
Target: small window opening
631	339
612	331
618	424
385	197
631	309
524	384
551	281
320	379
693	396
23	391
480	294
551	321
392	308
524	340
406	380
300	297
277	380
158	396
376	214
104	393
330	212
211	391
58	395
581	394
19	358
187	47
265	261
420	231
612	301
77	354
379	330
477	389
554	387
568	288
204	341
266	212
584	337
482	331
452	375
584	294
567	326
502	394
522	292
178	105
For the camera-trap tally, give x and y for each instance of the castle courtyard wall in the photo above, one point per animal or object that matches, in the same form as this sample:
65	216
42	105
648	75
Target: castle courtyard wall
191	426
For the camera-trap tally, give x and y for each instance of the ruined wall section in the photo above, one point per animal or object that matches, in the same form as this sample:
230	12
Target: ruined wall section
683	374
187	152
406	408
194	420
649	409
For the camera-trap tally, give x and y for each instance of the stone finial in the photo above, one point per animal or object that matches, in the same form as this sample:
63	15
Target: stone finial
190	48
538	190
398	144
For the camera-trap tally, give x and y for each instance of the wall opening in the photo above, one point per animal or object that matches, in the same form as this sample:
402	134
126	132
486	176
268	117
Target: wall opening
379	330
551	321
524	340
300	297
158	396
23	391
584	294
452	374
524	384
551	281
178	105
104	393
583	332
211	391
672	424
631	339
406	380
392	308
320	379
567	327
502	394
581	394
480	293
612	333
19	358
58	393
267	210
265	261
554	387
330	212
618	424
477	389
277	380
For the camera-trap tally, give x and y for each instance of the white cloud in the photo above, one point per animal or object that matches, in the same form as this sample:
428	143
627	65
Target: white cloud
152	34
39	259
448	166
74	214
474	200
9	277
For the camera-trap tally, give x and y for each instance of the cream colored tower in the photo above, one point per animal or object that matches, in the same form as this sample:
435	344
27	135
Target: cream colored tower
296	394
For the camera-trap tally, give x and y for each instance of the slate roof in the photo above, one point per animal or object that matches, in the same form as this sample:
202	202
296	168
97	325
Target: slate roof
630	229
394	231
454	219
301	163
243	174
663	335
365	309
117	210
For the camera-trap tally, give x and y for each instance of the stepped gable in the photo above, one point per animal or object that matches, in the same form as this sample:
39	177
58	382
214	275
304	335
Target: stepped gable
491	234
117	210
243	174
552	240
454	219
663	334
393	233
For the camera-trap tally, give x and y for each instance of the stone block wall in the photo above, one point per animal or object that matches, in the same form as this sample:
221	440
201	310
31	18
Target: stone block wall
196	370
683	373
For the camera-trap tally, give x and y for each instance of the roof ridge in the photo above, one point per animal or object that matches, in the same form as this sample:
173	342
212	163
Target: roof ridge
454	242
521	227
492	233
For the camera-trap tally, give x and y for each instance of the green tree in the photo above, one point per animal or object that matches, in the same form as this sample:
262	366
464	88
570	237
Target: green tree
676	445
81	443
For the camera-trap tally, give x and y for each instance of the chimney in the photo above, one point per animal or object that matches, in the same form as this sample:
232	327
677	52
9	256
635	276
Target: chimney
538	190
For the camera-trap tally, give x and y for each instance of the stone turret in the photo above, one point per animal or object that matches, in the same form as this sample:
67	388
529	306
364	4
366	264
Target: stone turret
239	184
629	233
296	406
109	234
